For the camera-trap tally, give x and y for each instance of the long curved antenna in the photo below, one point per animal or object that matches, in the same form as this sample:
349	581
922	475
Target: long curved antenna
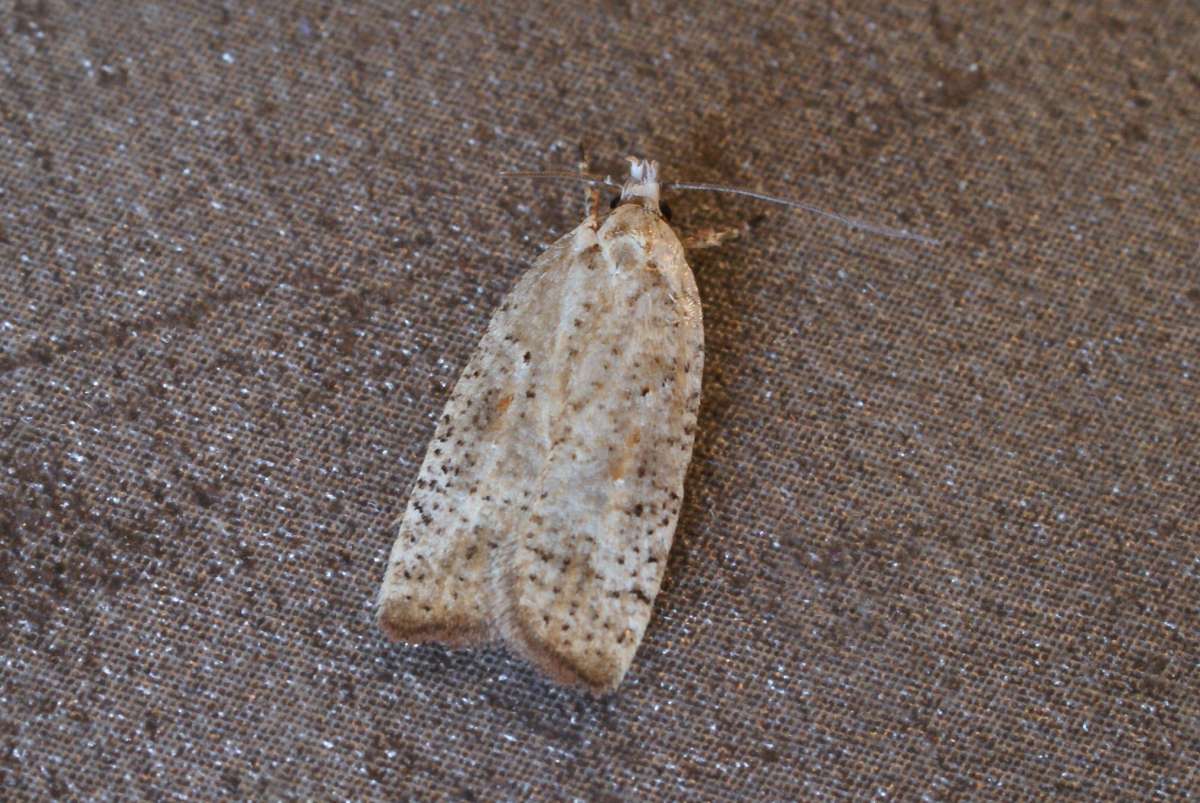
562	175
853	223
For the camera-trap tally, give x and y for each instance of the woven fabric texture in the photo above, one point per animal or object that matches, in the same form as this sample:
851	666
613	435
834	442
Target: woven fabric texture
939	538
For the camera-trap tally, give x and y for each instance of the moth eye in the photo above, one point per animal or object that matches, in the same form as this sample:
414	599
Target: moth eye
664	209
613	203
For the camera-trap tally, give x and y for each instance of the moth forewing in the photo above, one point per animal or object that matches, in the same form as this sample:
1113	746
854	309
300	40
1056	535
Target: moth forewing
546	505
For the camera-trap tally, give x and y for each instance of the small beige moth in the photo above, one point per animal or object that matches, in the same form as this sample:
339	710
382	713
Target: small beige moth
547	501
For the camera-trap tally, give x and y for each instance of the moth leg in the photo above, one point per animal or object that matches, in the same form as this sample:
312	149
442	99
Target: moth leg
591	195
711	238
591	204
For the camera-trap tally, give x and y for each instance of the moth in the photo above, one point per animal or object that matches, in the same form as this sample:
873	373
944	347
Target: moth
544	510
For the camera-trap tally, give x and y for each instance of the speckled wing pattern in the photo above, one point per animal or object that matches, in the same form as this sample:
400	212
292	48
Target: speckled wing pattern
546	505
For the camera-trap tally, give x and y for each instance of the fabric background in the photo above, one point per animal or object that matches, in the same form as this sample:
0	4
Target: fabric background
940	532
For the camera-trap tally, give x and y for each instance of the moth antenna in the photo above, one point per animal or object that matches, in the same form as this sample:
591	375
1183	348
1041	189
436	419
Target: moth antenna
853	223
562	175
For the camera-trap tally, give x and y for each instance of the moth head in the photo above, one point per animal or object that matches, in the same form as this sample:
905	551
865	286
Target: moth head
642	185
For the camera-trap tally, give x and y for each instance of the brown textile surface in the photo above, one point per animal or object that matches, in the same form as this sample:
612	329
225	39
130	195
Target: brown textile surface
940	532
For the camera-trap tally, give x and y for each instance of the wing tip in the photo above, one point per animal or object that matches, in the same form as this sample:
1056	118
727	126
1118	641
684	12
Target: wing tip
600	675
401	621
597	680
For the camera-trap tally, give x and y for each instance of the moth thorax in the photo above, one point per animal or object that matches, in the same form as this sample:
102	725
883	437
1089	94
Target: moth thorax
642	184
